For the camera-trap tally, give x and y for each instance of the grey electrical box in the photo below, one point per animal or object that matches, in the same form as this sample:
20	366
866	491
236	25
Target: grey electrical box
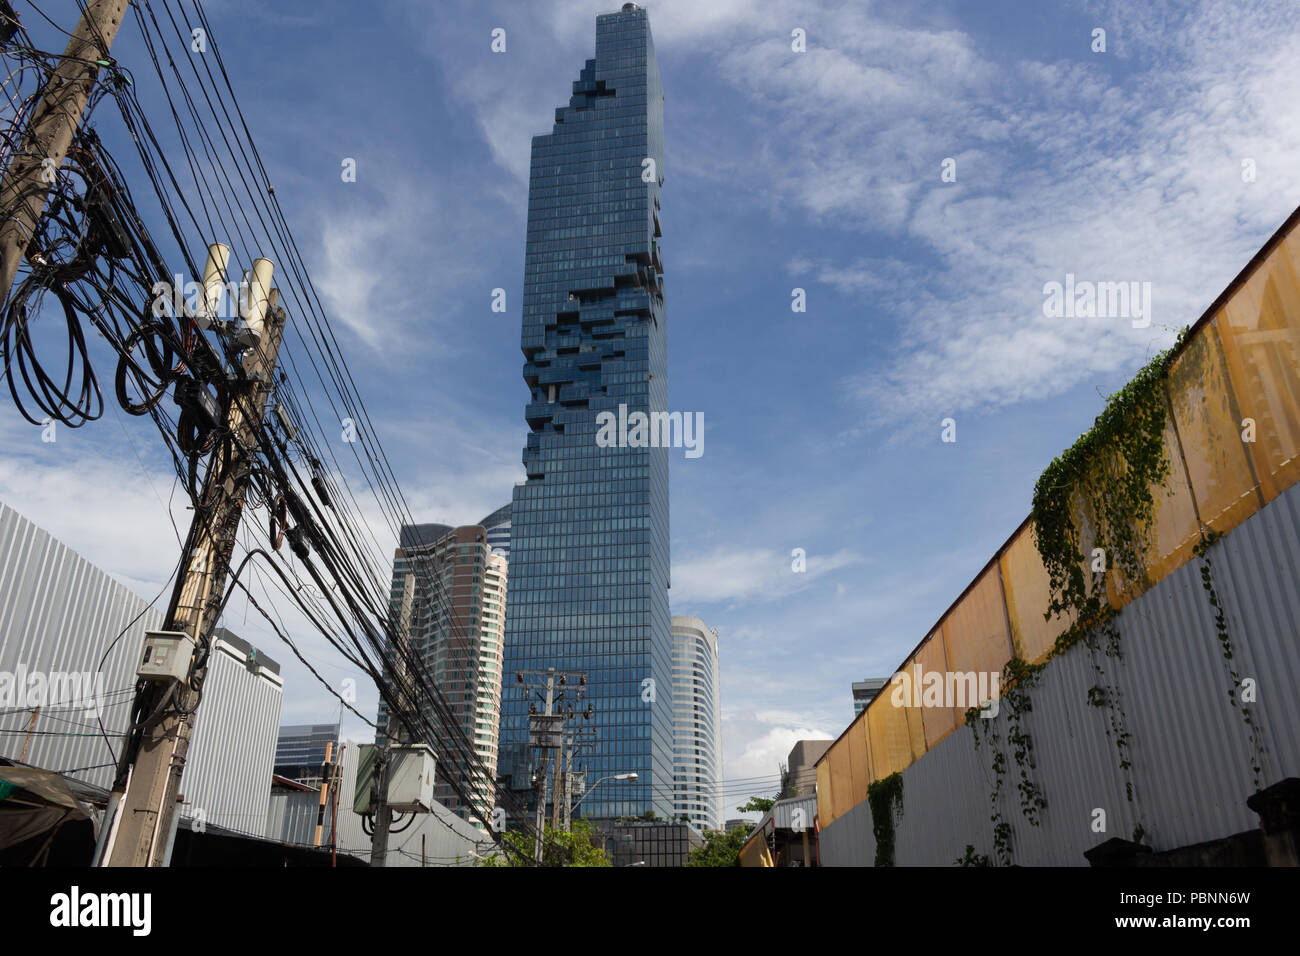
166	656
410	778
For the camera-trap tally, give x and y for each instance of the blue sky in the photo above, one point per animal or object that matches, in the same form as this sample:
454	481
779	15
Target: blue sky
819	170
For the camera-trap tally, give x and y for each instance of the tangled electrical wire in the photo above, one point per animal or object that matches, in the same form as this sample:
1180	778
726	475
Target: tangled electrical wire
91	264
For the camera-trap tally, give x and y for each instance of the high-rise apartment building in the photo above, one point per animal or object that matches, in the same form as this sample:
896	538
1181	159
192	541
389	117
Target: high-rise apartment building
865	691
697	724
589	527
449	590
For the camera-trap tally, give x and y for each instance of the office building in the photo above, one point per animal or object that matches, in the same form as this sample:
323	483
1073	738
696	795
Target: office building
300	750
800	776
589	572
648	843
697	724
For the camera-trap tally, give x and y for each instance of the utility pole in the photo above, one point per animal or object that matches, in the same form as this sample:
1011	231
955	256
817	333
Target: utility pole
31	726
541	797
334	808
326	787
563	764
546	734
383	746
49	133
573	742
560	794
144	812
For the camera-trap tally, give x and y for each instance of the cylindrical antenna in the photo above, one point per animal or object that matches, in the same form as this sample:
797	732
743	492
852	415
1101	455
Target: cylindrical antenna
259	288
214	277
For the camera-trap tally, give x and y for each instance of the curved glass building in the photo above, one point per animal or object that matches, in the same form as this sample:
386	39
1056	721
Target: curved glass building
697	724
497	525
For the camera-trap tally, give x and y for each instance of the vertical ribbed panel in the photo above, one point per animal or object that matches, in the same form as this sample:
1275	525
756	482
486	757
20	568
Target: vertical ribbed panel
59	613
232	753
1190	747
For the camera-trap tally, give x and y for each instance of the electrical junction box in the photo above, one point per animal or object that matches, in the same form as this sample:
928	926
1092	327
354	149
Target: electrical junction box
166	656
410	778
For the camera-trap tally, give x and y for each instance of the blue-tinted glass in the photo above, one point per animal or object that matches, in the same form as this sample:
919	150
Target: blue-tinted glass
589	528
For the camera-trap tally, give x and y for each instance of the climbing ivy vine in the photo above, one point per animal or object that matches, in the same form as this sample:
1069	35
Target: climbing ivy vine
1106	479
1001	826
971	858
886	799
1017	679
1208	538
1110	470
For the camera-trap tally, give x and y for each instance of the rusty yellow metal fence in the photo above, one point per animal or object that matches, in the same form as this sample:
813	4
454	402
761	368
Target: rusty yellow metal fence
755	852
1233	443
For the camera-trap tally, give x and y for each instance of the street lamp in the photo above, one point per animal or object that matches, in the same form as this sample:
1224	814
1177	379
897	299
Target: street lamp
631	777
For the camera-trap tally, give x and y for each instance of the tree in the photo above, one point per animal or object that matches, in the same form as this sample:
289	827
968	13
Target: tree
757	805
721	848
575	848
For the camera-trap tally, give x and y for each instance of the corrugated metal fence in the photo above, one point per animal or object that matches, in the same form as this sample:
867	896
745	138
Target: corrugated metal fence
58	615
1191	752
1233	443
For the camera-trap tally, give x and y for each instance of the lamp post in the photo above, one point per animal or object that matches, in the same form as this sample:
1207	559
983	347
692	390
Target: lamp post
631	777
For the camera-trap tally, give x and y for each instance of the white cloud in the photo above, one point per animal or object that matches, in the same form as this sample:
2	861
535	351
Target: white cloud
730	574
119	520
1062	167
755	747
393	252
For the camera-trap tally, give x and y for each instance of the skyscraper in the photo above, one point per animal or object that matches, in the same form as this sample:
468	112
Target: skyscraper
589	527
697	724
497	526
449	589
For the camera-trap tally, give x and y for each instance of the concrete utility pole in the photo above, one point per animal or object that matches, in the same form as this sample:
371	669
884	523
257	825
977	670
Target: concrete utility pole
334	809
326	786
49	133
383	814
541	798
31	726
144	818
544	737
574	741
563	764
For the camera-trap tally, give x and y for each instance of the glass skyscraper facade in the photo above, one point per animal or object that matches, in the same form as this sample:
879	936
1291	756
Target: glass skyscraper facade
589	527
